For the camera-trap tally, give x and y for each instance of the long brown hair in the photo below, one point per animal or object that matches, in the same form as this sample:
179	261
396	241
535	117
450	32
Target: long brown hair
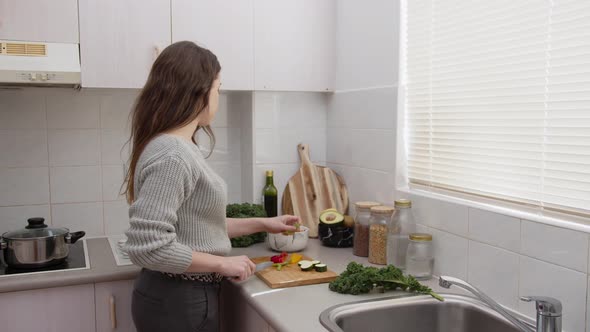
176	92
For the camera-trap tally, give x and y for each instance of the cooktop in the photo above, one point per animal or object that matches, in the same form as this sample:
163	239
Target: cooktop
77	260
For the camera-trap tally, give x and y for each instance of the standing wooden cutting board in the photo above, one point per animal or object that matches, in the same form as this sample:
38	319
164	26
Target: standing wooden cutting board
313	189
291	275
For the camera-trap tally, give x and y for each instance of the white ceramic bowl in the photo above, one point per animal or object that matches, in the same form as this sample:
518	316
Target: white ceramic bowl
288	243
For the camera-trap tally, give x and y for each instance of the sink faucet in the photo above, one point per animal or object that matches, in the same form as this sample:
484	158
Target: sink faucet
548	308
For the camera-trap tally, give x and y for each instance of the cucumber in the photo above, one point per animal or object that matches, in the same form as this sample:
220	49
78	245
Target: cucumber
321	268
303	262
315	262
307	266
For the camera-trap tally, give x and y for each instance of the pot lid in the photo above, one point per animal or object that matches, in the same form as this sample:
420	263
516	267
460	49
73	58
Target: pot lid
36	229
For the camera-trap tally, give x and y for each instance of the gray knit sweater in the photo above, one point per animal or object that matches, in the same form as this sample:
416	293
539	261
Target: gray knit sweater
179	207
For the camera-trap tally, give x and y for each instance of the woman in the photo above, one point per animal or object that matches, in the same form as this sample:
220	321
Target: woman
178	231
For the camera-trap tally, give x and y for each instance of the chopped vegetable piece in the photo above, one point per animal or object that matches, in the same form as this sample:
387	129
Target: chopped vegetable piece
295	258
315	262
306	266
321	267
303	262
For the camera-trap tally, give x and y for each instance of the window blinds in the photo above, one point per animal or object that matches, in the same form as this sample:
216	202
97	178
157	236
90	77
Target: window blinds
497	99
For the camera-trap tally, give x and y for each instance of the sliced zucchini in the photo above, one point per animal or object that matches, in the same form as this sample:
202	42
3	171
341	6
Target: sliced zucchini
303	262
307	266
321	268
315	262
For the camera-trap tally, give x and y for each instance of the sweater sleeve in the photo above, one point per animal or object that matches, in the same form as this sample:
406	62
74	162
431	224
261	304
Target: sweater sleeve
163	187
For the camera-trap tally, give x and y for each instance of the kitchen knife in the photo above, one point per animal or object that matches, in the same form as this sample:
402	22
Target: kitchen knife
263	265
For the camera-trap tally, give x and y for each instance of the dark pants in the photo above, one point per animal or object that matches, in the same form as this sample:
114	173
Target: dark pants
161	303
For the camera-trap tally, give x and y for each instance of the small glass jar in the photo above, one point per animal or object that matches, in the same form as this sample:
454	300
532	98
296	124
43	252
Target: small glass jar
402	224
420	256
380	216
361	228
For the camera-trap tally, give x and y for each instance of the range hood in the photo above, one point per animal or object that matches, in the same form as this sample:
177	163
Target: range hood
39	64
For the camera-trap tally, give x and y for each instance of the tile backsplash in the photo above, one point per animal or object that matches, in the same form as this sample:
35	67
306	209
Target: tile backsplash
62	155
507	257
282	120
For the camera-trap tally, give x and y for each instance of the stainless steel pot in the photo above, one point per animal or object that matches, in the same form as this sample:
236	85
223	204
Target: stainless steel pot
37	245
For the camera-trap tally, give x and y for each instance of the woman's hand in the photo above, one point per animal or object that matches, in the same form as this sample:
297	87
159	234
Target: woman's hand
281	224
238	267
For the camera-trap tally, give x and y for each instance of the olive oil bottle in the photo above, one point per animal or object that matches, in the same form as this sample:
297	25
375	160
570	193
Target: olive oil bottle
269	196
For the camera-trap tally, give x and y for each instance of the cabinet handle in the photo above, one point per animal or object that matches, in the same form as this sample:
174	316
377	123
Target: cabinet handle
113	312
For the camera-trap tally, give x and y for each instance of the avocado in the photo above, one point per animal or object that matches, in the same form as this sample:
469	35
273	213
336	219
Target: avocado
331	217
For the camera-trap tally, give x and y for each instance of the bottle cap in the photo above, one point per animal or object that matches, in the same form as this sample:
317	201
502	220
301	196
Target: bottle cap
403	203
420	237
269	173
382	209
366	205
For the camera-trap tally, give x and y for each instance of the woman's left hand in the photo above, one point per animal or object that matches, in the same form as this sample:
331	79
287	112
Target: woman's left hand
280	224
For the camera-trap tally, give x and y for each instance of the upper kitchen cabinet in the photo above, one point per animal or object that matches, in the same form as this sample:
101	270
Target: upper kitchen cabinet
54	21
225	27
119	40
294	45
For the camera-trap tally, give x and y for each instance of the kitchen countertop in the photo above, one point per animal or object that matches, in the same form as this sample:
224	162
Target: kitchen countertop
102	268
298	308
285	309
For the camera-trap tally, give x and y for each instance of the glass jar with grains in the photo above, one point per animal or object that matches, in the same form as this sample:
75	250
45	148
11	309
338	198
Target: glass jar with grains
380	216
361	228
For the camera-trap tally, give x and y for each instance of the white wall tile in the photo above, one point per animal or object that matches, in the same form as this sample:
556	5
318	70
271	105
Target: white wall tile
365	62
13	218
450	254
22	109
568	286
441	215
24	186
340	146
85	217
112	180
280	145
23	147
116	217
74	147
290	110
71	109
363	109
114	147
75	184
374	149
495	229
555	245
588	307
495	271
115	109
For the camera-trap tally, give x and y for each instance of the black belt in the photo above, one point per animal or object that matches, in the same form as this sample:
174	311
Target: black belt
210	278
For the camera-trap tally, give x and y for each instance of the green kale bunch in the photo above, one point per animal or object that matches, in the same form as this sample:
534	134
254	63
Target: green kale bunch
246	210
358	279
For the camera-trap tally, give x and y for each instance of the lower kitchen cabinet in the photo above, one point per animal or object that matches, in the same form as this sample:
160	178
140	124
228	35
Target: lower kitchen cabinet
61	309
237	314
113	306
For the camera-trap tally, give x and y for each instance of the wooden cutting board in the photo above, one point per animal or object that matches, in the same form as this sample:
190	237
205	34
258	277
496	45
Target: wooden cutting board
313	189
291	275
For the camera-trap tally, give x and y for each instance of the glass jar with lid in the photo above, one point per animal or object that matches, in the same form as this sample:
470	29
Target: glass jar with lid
380	217
402	224
361	228
420	256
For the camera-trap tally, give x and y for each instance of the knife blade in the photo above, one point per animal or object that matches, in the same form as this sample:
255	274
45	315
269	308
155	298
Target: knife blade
262	266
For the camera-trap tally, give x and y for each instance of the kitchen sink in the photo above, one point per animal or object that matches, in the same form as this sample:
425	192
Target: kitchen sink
416	314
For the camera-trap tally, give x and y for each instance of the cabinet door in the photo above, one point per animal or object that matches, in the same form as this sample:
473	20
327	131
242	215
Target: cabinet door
63	309
53	21
113	306
294	45
226	28
119	40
